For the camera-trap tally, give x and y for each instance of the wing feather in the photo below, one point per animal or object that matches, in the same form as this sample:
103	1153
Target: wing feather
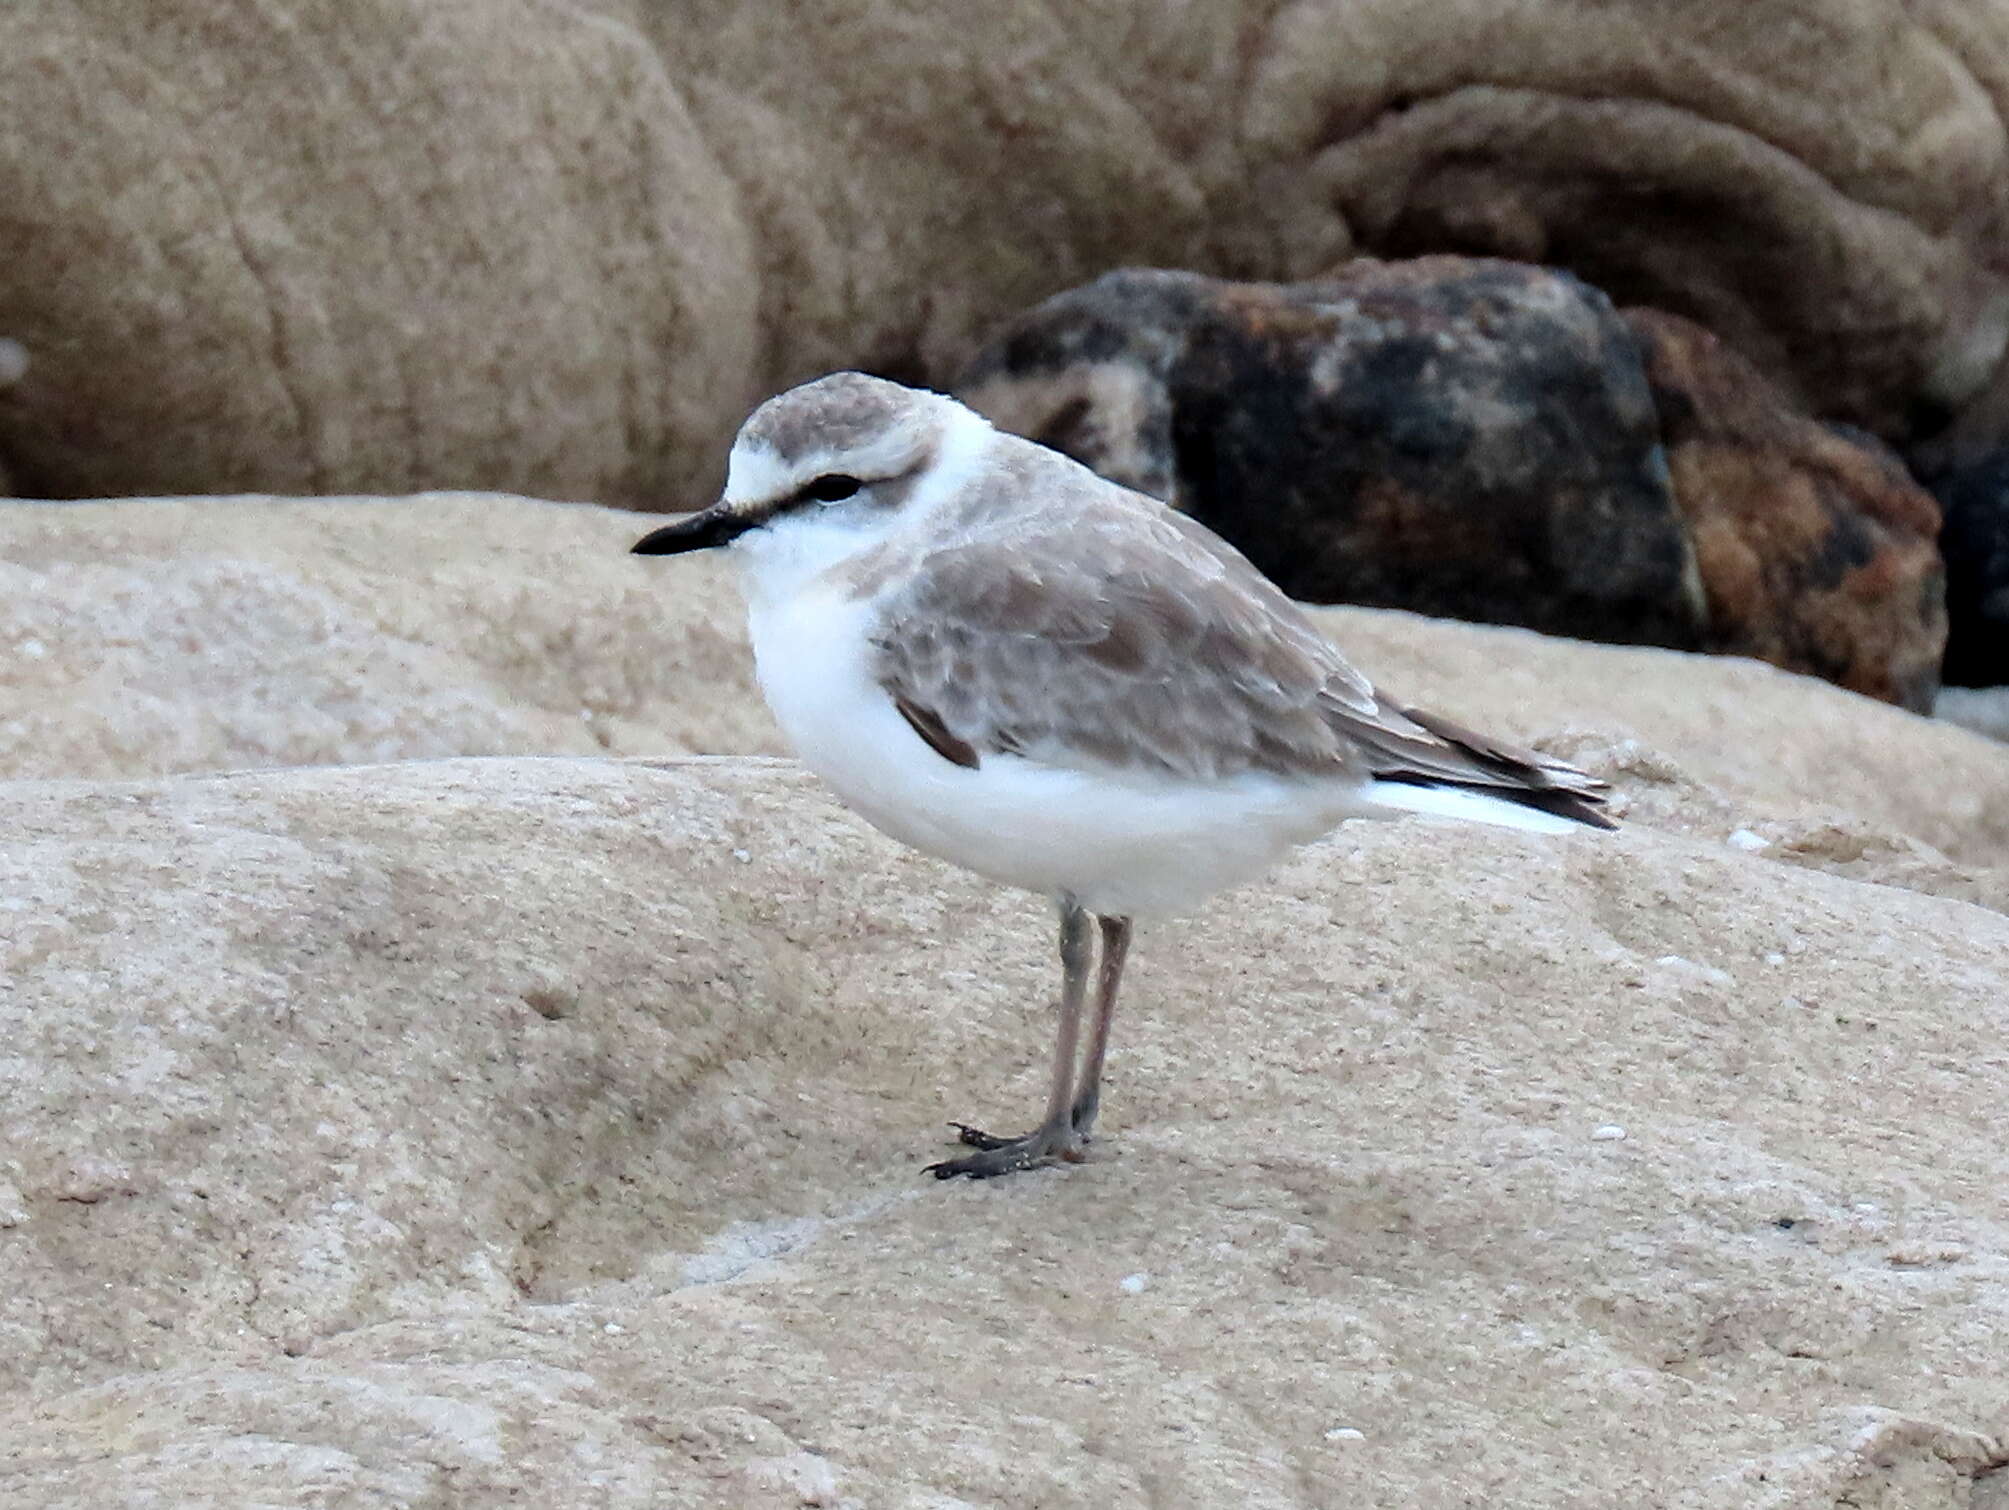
1109	648
1123	636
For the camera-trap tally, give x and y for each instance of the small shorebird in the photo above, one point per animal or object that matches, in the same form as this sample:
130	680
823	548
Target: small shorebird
1004	660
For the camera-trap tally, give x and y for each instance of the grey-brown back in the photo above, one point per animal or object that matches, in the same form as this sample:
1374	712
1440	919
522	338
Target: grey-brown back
1058	617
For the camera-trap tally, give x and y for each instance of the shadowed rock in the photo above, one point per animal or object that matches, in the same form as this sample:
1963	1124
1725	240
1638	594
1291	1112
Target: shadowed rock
1816	548
1492	442
1456	437
559	249
1975	544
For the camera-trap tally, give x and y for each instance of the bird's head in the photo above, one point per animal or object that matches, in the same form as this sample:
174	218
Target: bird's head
842	456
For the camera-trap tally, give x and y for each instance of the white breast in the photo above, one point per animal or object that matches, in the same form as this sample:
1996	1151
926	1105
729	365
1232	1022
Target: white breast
1119	845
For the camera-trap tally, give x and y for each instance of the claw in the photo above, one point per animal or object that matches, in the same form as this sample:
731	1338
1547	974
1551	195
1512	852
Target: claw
976	1137
948	1169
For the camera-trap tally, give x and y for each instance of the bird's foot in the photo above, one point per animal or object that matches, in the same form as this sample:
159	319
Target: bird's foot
997	1155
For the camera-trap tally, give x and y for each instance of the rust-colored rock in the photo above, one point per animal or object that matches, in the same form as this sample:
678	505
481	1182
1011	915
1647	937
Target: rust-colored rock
1818	551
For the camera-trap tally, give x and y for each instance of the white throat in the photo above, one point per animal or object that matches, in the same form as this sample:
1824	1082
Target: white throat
781	559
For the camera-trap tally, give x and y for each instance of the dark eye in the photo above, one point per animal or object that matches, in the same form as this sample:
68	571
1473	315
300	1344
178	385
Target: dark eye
832	487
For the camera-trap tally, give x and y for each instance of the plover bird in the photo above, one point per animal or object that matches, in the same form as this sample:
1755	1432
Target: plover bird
1007	662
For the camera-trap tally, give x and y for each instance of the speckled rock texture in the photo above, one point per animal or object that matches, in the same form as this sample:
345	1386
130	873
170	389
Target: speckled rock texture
151	636
1452	436
559	249
548	1131
1492	441
1815	547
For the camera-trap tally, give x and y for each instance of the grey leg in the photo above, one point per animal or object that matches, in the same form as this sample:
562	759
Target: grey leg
1056	1137
1088	1091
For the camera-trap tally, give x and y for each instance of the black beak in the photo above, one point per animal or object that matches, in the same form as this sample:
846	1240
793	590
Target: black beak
716	525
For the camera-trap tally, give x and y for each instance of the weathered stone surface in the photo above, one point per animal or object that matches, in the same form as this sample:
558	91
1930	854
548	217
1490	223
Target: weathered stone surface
1975	544
1455	437
459	1131
559	249
547	1131
1816	549
152	636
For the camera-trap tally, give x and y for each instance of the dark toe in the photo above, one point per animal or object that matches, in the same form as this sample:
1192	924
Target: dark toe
976	1137
974	1168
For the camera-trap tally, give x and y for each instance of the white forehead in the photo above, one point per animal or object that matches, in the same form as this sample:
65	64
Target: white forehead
754	473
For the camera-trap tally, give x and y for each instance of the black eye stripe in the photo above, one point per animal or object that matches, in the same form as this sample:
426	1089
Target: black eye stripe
832	487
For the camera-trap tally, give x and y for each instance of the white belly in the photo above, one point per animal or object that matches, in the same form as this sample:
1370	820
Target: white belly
1118	845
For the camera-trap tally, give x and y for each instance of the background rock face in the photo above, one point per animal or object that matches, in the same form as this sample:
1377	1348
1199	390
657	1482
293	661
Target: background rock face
459	1130
403	243
289	246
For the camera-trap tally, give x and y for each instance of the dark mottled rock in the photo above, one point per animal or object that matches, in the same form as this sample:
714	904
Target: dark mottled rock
1491	441
1974	541
1459	437
1818	550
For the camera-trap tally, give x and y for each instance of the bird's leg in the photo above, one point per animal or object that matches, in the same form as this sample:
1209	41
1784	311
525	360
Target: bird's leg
1088	1089
1055	1137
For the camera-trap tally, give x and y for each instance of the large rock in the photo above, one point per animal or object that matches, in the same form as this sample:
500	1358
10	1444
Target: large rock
1816	549
1456	437
1493	442
465	1131
397	244
549	1131
154	636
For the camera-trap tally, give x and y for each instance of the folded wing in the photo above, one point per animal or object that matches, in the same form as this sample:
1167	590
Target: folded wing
1127	638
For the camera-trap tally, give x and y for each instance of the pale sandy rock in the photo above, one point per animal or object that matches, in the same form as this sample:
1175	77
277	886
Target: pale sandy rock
1984	709
1702	739
560	249
459	1131
152	636
549	1131
288	246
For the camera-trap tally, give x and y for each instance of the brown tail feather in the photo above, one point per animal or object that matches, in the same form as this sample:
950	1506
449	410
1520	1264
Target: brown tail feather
1502	770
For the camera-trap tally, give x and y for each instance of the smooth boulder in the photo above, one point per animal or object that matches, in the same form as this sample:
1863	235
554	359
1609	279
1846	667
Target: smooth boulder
560	250
552	1129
